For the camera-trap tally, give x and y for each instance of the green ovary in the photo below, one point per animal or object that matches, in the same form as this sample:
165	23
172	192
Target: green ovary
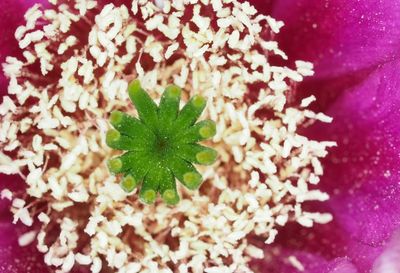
161	145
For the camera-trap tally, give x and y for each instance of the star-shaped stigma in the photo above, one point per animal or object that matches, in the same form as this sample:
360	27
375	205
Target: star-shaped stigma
161	145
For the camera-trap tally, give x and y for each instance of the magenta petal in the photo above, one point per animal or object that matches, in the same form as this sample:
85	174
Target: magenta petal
314	264
339	36
342	265
307	262
14	258
389	261
362	174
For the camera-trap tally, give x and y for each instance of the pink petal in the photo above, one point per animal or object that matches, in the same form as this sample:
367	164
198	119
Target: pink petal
362	174
389	261
339	36
14	258
288	260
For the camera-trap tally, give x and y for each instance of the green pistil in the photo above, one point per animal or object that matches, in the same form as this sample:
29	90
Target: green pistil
170	197
148	196
116	117
161	145
112	136
173	91
115	165
208	130
192	180
206	157
199	101
128	183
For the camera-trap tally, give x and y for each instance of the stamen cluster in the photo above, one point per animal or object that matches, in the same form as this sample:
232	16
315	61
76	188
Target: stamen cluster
78	58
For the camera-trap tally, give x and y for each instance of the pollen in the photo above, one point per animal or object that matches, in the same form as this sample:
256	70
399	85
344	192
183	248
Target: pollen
67	103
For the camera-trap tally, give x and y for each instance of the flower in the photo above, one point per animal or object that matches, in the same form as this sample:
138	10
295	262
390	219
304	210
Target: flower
309	249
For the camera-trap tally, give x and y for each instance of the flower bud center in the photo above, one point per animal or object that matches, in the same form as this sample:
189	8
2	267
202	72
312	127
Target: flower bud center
161	146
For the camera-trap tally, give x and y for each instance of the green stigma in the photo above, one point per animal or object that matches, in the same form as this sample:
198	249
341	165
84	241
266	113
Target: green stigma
192	180
160	145
128	183
206	157
115	165
208	130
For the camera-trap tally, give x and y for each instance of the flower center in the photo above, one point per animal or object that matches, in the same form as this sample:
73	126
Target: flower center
87	52
161	146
